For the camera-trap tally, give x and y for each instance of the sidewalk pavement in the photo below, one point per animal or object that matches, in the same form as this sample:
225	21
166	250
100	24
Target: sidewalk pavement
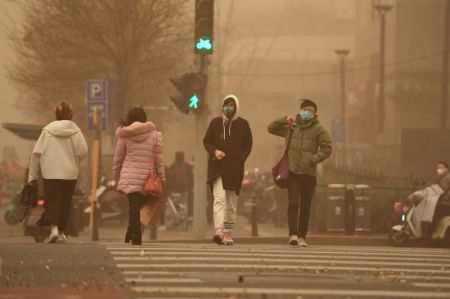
267	234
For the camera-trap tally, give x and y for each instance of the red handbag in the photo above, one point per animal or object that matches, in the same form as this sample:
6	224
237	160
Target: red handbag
153	184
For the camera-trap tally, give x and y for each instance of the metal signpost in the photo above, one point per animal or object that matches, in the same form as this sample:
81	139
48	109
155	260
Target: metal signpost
97	112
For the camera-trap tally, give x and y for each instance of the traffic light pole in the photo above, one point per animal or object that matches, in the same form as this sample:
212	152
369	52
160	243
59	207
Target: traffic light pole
200	164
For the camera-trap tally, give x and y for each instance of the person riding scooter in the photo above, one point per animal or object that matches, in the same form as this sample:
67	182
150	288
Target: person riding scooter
443	173
425	202
442	209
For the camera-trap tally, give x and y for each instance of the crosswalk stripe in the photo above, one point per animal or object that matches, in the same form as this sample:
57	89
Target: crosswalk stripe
431	285
147	273
421	277
279	267
237	254
327	262
287	291
164	280
444	254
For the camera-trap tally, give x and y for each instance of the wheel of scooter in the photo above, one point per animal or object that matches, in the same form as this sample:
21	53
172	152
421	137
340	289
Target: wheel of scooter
12	217
39	238
398	238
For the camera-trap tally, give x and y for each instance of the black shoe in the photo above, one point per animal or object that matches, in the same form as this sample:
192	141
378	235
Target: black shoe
136	238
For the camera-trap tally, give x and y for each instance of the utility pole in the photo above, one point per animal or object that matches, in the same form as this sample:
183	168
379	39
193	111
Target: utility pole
444	105
201	163
342	53
382	10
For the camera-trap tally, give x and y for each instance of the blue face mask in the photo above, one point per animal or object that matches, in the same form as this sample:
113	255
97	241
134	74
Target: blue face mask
228	109
307	115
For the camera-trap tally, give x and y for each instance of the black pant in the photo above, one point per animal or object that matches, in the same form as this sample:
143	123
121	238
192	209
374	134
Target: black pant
300	192
136	201
58	201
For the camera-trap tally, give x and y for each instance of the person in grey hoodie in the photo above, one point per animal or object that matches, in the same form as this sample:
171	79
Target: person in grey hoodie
57	155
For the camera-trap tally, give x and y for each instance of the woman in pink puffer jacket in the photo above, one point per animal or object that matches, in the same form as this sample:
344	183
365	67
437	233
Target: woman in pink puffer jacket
139	151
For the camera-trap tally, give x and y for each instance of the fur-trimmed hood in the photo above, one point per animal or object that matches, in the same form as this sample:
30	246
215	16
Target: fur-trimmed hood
137	131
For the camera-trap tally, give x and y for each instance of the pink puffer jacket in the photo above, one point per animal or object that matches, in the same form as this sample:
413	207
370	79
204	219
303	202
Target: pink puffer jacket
139	147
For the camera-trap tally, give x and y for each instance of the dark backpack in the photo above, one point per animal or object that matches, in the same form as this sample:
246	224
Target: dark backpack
29	195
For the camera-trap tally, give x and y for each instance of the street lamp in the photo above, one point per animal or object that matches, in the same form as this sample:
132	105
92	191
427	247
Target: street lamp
342	53
444	92
382	10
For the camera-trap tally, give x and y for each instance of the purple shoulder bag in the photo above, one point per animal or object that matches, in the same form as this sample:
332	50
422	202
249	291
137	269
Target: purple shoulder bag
280	172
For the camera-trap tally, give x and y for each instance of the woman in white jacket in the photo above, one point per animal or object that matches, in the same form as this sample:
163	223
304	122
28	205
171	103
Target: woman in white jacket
57	155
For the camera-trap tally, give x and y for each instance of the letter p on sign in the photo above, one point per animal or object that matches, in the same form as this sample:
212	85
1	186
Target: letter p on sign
96	90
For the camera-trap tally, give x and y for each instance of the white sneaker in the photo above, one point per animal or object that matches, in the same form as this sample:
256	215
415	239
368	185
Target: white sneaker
61	238
293	240
227	238
303	243
53	235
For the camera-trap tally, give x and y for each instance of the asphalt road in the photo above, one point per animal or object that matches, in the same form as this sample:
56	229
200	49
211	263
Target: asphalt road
184	270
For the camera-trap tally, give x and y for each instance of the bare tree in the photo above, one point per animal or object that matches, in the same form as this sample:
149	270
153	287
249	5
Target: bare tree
136	44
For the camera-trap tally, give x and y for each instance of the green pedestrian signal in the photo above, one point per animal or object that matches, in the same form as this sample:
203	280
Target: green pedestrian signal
194	101
191	87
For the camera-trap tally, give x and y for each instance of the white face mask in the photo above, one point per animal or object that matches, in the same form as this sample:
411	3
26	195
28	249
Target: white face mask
440	171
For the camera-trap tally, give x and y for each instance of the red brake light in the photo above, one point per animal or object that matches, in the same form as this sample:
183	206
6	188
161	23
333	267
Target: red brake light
399	207
40	202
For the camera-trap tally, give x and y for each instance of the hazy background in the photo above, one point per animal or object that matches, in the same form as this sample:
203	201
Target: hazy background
271	53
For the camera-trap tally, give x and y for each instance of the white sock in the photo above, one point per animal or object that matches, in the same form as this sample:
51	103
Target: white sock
55	230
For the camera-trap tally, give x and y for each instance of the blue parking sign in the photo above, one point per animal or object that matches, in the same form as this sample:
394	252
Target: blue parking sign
97	96
96	90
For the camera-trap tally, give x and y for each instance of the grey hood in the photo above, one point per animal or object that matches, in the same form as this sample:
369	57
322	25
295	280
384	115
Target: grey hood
62	128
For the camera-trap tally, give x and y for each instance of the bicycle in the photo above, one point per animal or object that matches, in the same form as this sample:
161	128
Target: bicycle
176	213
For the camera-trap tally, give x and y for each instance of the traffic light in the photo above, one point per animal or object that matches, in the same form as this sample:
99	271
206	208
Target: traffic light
192	88
204	26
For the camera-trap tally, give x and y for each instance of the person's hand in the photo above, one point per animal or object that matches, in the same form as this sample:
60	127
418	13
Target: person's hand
291	120
219	154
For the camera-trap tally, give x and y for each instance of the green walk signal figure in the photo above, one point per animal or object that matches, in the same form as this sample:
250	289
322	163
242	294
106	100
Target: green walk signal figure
191	87
193	102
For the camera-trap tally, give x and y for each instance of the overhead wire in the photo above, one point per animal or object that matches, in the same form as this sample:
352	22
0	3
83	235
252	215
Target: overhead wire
418	58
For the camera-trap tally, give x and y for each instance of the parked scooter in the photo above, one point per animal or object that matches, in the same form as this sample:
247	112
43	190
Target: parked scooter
14	211
405	233
110	203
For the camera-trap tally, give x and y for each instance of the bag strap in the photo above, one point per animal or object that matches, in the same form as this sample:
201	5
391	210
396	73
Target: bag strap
155	171
290	137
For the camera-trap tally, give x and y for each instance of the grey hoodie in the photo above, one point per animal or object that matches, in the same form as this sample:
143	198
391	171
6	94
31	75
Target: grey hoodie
58	152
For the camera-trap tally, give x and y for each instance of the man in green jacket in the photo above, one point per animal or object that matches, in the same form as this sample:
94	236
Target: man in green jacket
310	145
